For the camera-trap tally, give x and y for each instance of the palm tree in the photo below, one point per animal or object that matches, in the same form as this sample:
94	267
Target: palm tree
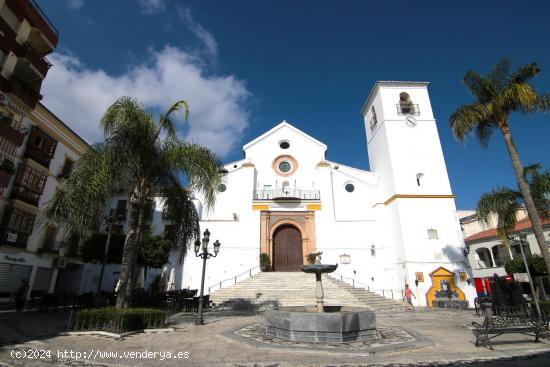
504	203
145	158
497	95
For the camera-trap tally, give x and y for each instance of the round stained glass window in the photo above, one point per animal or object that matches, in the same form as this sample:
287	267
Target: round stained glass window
350	187
285	166
222	188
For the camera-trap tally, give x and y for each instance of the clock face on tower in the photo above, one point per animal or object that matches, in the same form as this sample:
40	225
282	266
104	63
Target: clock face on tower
411	121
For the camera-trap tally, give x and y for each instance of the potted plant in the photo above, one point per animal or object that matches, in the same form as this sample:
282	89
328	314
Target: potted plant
264	262
312	257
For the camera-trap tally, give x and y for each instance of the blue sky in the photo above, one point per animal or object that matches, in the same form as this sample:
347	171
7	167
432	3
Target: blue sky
246	65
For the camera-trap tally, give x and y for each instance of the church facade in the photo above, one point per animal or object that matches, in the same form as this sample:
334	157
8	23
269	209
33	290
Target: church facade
396	224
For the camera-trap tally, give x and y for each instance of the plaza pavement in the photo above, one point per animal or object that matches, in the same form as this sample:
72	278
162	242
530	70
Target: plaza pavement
444	337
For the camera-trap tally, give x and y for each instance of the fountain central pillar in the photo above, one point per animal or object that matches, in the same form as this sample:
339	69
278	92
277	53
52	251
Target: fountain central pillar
319	294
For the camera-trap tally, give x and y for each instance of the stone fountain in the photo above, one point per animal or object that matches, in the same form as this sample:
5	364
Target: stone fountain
320	323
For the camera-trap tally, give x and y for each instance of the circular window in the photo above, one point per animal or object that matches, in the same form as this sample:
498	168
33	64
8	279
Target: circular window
222	188
349	187
284	145
285	166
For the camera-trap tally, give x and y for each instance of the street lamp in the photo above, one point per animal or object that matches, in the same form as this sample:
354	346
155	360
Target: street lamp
109	221
204	254
521	240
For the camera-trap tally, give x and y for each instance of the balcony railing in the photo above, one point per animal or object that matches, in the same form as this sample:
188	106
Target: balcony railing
26	194
287	193
13	238
407	109
487	263
38	156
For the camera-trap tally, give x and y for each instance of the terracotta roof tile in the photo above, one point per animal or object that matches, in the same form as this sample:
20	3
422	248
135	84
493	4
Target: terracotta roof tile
489	233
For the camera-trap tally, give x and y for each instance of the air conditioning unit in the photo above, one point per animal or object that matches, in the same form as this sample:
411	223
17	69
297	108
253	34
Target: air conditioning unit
59	263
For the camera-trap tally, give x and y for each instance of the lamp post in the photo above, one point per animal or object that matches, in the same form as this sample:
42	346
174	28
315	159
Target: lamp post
204	254
521	240
109	221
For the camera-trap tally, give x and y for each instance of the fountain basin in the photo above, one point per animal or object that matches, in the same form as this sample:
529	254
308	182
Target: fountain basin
336	325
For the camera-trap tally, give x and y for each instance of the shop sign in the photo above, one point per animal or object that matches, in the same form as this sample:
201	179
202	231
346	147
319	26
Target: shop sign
15	259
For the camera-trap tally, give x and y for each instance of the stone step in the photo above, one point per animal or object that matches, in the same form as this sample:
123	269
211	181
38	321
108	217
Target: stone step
298	289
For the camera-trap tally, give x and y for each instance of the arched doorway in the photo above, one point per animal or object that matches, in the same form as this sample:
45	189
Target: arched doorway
287	248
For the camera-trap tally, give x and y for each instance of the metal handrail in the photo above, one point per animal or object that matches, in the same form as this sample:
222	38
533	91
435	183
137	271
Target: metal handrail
383	292
233	278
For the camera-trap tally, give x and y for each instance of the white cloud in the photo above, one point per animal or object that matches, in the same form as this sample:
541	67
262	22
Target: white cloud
153	6
75	4
202	34
218	114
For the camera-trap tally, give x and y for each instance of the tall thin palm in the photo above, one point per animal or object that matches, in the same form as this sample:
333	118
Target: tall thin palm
504	203
146	159
497	95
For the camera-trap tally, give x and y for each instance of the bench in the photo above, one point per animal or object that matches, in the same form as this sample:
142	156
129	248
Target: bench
498	325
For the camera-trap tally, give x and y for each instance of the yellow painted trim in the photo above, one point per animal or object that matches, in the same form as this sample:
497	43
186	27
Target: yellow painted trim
248	164
271	201
414	196
260	207
313	206
323	164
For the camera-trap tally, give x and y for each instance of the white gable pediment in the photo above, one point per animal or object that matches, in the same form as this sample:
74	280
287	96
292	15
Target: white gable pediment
285	131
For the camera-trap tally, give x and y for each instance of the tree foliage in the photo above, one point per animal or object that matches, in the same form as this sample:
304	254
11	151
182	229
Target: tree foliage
505	202
145	158
535	262
497	95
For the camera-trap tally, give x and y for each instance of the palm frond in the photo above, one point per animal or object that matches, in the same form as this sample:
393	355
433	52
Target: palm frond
165	120
504	204
539	183
180	210
524	73
520	97
478	86
200	166
124	111
76	202
467	117
498	76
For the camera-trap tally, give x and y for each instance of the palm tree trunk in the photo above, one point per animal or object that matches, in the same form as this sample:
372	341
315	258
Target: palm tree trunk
129	255
526	193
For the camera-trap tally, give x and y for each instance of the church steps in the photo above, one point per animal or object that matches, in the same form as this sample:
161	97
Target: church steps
298	289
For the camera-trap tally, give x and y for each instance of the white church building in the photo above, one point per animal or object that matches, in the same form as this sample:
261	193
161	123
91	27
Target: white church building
396	224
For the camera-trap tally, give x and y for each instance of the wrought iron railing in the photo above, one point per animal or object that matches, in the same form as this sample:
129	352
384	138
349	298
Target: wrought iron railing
233	280
287	193
407	109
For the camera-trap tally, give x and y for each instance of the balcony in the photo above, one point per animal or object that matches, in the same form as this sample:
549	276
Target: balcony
44	33
13	238
7	42
10	132
38	156
407	109
26	194
33	59
21	90
287	193
17	225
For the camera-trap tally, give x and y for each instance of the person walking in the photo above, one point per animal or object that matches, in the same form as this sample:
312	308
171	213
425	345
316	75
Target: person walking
20	298
408	295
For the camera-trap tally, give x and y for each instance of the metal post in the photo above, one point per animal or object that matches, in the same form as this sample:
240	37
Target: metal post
529	277
200	320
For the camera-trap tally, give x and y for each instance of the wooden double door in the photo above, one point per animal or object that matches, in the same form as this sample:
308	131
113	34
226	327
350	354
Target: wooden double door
287	249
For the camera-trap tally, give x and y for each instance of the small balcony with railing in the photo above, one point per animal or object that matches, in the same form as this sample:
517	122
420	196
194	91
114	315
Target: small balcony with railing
287	193
40	147
26	194
16	227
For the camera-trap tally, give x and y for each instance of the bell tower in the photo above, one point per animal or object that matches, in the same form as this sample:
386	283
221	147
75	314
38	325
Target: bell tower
416	202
